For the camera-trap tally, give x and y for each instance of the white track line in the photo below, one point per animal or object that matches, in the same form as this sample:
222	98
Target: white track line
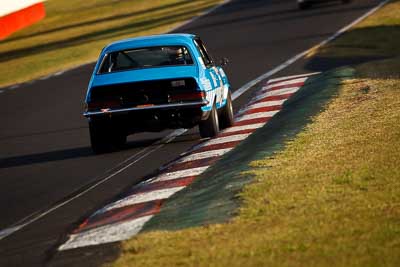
179	174
106	234
139	156
8	231
204	155
141	198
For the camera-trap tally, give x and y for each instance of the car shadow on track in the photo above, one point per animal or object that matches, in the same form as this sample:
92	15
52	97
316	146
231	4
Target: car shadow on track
64	154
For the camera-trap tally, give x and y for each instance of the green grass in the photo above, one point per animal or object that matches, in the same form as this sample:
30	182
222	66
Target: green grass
74	32
331	197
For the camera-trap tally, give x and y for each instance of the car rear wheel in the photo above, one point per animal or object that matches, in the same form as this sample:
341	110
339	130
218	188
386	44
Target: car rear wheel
104	138
226	118
304	5
210	126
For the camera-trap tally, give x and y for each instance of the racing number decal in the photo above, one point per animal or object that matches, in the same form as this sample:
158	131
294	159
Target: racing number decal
219	84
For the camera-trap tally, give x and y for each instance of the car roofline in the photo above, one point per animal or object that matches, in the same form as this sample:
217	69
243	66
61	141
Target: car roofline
149	41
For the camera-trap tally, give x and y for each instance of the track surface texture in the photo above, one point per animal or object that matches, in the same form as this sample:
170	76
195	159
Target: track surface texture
45	158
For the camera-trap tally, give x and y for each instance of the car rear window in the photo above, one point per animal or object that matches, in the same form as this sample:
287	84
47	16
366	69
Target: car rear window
145	58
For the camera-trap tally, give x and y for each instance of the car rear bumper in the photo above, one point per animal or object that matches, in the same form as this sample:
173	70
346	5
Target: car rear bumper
146	107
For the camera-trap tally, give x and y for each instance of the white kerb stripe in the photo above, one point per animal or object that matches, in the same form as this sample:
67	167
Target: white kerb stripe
276	93
179	174
258	115
263	105
271	86
221	140
106	234
244	127
204	155
141	198
293	76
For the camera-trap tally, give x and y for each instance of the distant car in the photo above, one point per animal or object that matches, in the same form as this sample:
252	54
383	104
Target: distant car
154	83
303	4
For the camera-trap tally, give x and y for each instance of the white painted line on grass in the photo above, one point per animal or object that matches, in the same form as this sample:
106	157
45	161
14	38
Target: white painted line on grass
45	77
106	234
59	73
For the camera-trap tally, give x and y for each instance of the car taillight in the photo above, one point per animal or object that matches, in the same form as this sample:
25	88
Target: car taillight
96	105
192	96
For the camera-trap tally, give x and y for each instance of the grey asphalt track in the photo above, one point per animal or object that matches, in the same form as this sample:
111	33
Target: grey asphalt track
45	156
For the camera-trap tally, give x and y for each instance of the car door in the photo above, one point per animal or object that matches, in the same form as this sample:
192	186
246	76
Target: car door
211	72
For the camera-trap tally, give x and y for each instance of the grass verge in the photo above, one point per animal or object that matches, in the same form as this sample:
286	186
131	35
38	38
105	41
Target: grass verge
331	197
74	32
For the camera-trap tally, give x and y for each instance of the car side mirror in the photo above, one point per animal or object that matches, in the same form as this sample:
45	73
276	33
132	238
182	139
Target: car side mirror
223	61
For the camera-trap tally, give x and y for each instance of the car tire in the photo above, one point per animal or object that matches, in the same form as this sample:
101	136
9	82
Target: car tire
98	137
226	118
304	5
103	139
210	126
118	140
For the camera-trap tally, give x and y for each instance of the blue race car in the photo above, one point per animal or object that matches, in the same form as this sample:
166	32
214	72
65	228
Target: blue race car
154	83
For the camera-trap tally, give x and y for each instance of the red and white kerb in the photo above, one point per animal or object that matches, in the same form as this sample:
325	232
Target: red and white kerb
126	217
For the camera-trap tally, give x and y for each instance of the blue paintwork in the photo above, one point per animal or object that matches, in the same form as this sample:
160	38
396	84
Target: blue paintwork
145	74
209	79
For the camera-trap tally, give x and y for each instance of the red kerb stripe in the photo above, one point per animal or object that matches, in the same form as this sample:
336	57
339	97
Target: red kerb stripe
163	185
289	79
121	214
263	109
272	98
217	146
236	132
192	164
252	121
